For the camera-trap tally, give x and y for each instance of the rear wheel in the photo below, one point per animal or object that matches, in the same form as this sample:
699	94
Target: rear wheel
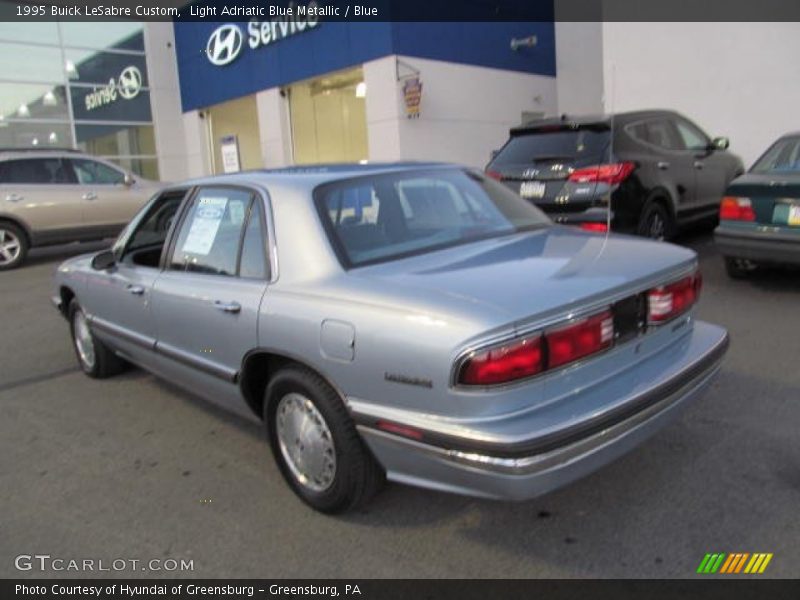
94	357
739	268
315	443
13	246
655	222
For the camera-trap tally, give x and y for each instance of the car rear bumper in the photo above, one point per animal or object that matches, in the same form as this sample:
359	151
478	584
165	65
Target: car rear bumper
528	468
761	246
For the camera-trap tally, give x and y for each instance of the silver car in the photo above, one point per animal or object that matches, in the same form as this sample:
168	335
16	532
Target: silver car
420	323
57	196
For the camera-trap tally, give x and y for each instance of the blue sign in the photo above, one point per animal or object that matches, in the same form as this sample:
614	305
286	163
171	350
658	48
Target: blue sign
220	61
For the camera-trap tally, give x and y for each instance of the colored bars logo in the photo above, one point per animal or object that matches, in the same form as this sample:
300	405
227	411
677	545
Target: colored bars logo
738	562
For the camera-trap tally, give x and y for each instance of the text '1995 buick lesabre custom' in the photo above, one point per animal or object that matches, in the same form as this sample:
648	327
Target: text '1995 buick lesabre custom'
419	322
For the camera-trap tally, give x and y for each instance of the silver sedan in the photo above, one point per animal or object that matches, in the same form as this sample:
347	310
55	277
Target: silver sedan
419	323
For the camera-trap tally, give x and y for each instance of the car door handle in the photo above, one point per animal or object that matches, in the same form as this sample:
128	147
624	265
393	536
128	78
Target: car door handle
14	198
228	307
663	165
698	164
136	290
90	196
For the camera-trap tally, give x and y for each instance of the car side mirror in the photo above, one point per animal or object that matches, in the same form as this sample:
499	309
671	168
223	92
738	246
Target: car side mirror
720	143
104	260
129	180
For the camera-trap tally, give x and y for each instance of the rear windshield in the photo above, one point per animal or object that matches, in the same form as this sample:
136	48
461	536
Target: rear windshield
566	145
379	218
782	157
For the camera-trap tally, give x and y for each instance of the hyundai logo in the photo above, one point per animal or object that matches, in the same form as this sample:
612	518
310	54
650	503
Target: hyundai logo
224	45
130	82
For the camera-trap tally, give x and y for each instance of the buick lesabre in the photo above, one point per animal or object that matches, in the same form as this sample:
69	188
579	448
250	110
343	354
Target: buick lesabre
416	322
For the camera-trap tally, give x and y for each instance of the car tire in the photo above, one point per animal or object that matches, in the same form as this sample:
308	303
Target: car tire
329	467
738	268
94	357
655	222
13	246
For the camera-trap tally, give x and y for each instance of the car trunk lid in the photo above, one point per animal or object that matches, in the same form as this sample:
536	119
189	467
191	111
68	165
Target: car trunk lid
775	200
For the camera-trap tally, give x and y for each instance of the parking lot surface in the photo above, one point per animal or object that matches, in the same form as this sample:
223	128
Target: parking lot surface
133	468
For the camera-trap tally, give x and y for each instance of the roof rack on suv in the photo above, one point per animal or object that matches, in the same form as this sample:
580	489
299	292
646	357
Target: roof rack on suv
39	149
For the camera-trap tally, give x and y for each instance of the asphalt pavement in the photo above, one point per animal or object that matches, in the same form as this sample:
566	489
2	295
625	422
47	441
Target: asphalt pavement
133	468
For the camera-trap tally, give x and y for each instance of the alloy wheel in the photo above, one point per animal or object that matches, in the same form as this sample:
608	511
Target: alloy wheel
10	247
83	340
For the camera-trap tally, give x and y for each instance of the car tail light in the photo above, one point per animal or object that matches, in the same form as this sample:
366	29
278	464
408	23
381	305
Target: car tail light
522	358
494	175
736	209
668	301
516	360
599	227
611	173
581	339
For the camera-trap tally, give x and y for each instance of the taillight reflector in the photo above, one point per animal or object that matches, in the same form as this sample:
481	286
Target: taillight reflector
529	356
396	428
580	339
668	301
611	174
599	227
494	175
736	209
516	360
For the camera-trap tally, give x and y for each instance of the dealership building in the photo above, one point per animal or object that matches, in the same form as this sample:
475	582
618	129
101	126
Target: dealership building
174	100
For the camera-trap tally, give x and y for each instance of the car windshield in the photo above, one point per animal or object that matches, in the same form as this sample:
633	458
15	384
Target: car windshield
782	157
551	145
384	217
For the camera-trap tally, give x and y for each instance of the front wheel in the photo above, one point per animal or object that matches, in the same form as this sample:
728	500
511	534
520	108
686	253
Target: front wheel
94	357
315	443
655	222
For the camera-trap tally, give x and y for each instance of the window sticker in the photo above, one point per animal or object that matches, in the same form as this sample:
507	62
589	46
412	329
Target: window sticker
205	224
236	212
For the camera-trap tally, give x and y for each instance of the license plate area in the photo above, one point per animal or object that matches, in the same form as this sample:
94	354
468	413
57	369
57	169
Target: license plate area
630	317
532	189
786	213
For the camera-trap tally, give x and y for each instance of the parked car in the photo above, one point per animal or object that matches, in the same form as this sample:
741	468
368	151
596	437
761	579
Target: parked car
58	196
420	322
645	172
760	213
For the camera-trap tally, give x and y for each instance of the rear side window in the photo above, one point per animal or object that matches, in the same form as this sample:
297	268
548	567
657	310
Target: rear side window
559	144
656	132
35	171
210	235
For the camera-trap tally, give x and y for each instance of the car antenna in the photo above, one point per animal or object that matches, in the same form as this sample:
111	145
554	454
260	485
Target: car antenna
611	106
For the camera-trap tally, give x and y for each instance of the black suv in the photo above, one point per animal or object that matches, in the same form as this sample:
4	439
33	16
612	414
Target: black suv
647	171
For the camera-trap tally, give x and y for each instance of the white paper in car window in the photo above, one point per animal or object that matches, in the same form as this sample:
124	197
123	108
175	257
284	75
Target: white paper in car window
205	224
236	212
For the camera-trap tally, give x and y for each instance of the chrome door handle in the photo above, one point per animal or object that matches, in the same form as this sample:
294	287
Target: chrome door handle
14	198
698	164
228	307
90	196
136	290
663	165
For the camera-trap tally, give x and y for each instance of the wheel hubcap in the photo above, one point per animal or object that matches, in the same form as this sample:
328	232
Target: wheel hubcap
83	340
306	442
9	247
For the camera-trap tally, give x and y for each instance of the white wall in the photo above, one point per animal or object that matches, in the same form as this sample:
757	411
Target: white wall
465	112
579	67
734	79
165	98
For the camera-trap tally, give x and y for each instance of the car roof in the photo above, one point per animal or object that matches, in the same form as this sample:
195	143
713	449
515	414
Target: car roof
316	174
603	119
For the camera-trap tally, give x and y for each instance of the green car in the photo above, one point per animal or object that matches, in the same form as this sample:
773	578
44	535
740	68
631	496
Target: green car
760	213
